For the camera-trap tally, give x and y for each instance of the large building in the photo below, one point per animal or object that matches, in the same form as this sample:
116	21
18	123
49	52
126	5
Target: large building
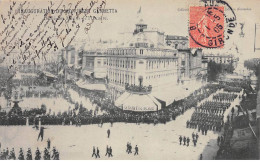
144	70
222	59
94	64
143	60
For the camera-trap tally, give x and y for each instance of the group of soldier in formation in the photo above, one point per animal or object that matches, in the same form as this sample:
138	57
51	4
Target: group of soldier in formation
6	155
186	140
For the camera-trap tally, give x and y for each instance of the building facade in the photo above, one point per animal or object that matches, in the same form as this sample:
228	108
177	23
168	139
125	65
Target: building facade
94	63
222	59
144	64
190	60
142	61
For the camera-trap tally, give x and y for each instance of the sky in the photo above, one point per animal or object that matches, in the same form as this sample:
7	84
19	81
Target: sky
166	15
169	16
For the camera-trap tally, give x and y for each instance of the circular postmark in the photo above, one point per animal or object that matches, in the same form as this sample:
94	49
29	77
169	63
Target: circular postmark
206	27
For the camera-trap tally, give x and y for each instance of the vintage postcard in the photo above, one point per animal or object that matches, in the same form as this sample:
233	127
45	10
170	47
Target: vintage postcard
129	79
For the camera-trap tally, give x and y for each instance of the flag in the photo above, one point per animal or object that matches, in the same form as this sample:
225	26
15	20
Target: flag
139	11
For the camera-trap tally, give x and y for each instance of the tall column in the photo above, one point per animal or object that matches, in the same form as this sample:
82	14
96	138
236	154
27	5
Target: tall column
40	123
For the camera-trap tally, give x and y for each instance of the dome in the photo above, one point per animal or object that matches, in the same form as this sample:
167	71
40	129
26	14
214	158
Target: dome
140	40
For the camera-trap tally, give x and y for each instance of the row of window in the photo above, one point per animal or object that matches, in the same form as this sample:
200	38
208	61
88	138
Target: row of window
159	76
148	52
158	64
120	78
220	60
122	63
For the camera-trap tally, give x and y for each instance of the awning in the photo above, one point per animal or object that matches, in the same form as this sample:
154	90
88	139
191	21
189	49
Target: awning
99	87
88	73
84	85
121	99
175	92
169	96
138	102
48	74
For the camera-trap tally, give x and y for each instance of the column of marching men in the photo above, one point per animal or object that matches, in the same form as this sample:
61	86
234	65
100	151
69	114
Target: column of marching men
210	114
47	154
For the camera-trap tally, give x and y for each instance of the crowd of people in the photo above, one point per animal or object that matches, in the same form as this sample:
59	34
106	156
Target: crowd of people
213	107
41	94
208	116
135	88
242	84
229	97
33	81
80	115
232	89
47	154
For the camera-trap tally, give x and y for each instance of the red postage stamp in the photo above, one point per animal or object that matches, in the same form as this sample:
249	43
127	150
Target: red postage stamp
206	27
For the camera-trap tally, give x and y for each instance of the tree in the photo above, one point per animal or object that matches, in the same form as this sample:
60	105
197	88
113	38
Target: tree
254	65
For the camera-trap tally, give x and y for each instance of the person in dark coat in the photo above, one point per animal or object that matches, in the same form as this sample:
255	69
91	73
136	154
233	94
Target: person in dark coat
197	136
29	154
193	136
94	152
184	140
127	147
46	155
136	150
108	133
21	155
97	153
130	148
194	142
37	154
41	133
107	151
48	143
180	139
188	141
110	152
12	155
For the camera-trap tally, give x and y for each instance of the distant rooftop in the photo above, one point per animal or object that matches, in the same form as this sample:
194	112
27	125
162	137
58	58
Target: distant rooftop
174	37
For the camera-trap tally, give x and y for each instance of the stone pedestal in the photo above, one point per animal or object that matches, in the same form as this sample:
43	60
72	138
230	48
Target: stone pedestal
27	121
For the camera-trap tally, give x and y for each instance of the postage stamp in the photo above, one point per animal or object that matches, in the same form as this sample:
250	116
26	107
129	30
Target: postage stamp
206	27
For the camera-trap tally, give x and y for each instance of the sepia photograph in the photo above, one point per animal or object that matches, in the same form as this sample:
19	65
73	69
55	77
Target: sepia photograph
129	80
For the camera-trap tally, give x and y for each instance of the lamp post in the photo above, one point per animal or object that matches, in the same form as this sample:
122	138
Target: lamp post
140	78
